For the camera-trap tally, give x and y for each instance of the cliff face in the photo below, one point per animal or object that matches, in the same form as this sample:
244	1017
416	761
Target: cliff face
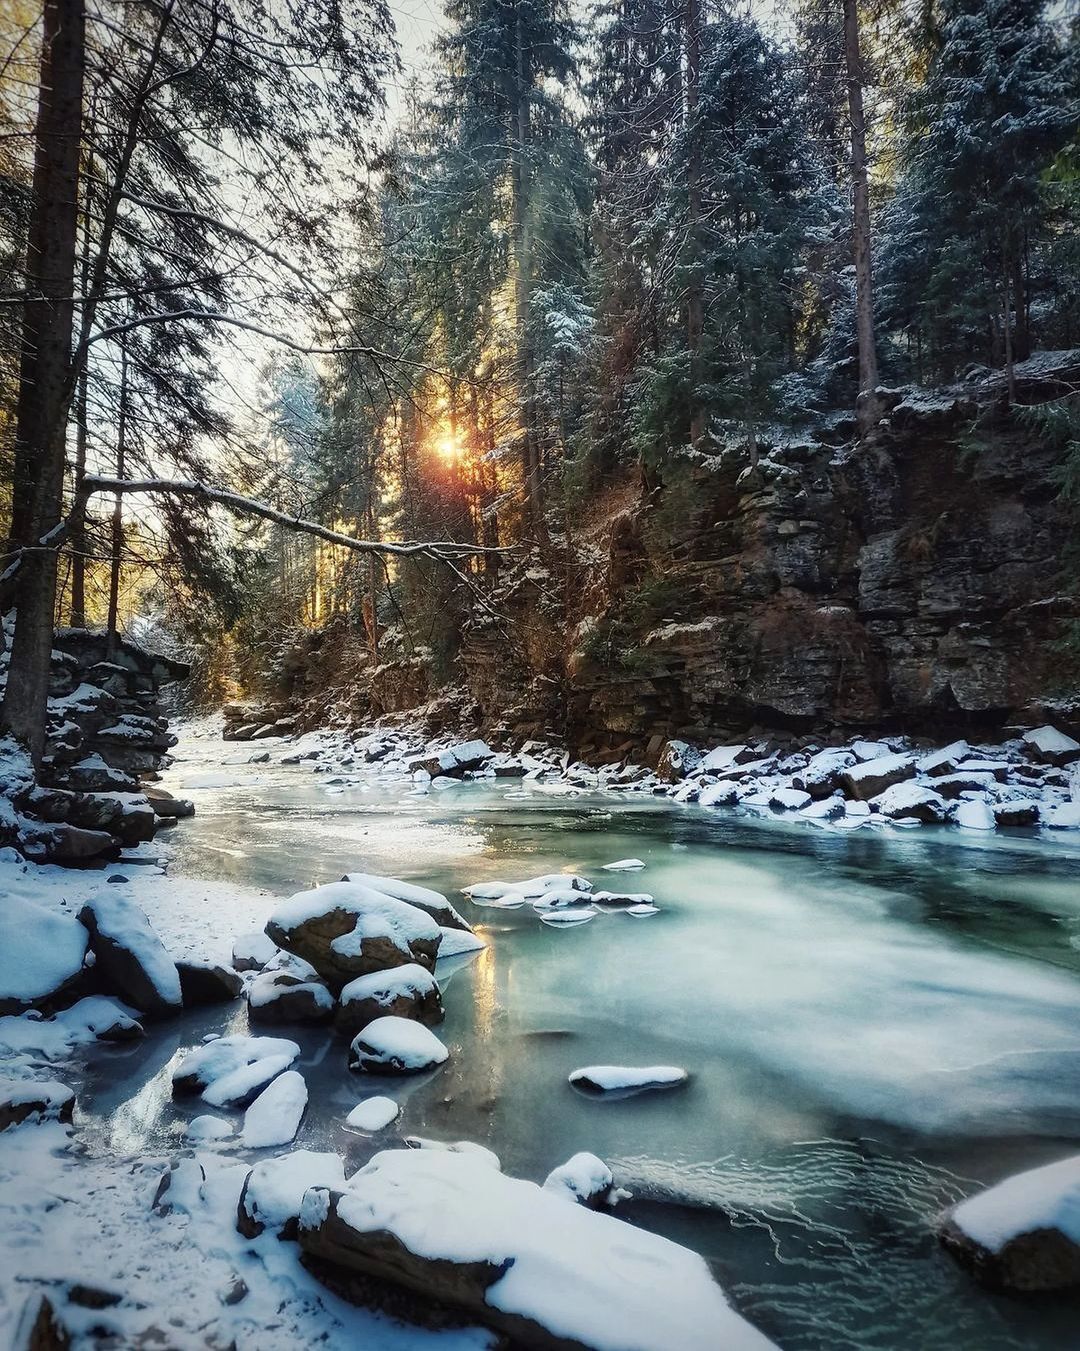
918	582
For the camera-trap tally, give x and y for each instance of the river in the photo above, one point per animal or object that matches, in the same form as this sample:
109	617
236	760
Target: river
876	1022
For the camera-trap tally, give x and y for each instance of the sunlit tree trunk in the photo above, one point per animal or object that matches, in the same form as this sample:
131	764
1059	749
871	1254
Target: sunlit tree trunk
864	279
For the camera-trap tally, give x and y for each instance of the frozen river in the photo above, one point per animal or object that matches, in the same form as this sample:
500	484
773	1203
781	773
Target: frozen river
875	1022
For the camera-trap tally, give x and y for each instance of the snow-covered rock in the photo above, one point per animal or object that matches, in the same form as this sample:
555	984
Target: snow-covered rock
1023	1234
626	1079
822	772
251	951
396	1046
130	956
723	757
180	1187
41	954
455	761
583	1179
434	902
529	890
347	930
1065	816
911	801
224	1056
872	777
1016	811
517	1257
1051	746
620	900
275	1115
718	795
643	911
458	943
947	760
824	809
204	1129
975	814
409	991
373	1114
624	865
35	1101
569	918
789	799
273	1191
281	996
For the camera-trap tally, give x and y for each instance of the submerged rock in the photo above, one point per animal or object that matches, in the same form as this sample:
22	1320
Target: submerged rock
625	1079
396	1046
1022	1235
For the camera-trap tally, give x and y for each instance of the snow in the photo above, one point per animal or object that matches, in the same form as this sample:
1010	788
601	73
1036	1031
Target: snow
1042	1198
867	751
275	1115
947	755
122	921
203	1128
458	942
386	986
40	950
975	814
618	1078
879	766
434	902
267	988
722	757
238	1088
530	889
567	919
624	865
276	1187
373	1114
225	1055
377	915
911	798
1065	816
643	911
50	1094
580	1179
585	1276
399	1043
252	950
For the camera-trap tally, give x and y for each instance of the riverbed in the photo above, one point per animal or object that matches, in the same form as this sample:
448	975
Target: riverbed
876	1022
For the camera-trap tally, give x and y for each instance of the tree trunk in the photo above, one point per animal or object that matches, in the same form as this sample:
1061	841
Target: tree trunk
695	296
860	231
46	384
116	553
530	460
78	529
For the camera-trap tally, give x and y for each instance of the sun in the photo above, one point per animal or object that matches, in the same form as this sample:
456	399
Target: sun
448	447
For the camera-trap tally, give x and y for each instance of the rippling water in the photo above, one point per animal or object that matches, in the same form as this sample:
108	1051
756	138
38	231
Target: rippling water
875	1024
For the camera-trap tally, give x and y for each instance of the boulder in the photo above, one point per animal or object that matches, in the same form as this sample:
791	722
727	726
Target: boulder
34	1100
41	955
911	801
252	951
282	997
947	760
164	804
449	1227
224	1056
456	761
1016	811
822	774
677	760
975	814
275	1115
872	777
130	957
180	1187
583	1179
1051	746
347	930
204	983
392	1045
955	785
624	1080
274	1190
434	902
1022	1235
408	991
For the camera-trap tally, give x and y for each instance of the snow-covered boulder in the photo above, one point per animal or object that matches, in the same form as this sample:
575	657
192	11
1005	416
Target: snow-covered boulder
224	1056
974	813
130	957
821	775
618	900
409	991
373	1114
824	809
516	1257
1064	816
434	902
872	777
789	799
1023	1234
180	1187
459	943
624	865
677	760
1051	746
41	954
34	1100
275	1115
627	1079
583	1179
281	996
1016	811
396	1046
718	795
911	801
347	930
531	889
251	951
945	761
455	761
274	1190
723	757
203	982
